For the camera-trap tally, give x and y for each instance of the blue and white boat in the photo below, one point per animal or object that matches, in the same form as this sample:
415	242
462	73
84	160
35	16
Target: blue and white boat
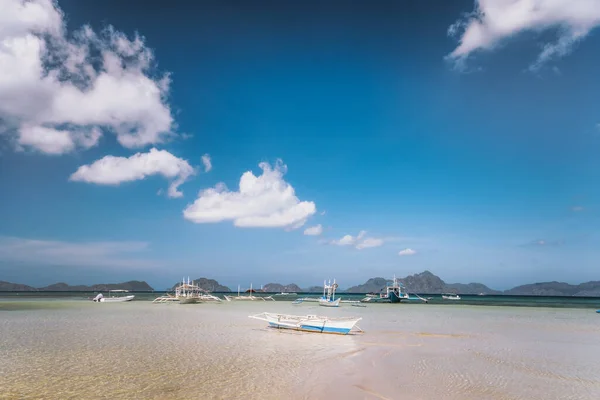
328	299
394	293
310	323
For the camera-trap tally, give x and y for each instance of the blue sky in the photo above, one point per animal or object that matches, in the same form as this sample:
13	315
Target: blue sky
473	155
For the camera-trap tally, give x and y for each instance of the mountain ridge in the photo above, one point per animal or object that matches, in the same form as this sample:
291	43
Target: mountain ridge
278	288
134	286
424	283
210	285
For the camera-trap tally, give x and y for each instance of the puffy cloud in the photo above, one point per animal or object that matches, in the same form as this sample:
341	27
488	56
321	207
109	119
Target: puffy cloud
261	201
59	91
206	162
112	170
407	252
349	240
369	242
359	241
53	252
493	21
314	230
57	141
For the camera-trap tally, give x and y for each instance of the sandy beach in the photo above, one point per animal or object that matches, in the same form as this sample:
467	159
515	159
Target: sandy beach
138	350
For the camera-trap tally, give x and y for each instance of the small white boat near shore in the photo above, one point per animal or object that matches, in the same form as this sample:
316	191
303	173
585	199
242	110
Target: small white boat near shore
310	323
450	296
249	297
112	298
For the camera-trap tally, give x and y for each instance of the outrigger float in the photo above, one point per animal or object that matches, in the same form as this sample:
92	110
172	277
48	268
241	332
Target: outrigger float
311	323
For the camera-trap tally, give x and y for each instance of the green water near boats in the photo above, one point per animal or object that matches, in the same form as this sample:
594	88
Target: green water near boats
487	300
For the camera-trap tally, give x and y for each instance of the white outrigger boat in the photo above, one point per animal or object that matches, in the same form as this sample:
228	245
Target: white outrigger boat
310	323
328	299
286	294
187	293
112	298
450	296
249	297
395	292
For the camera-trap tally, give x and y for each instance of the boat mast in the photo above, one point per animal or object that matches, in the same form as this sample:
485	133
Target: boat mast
333	290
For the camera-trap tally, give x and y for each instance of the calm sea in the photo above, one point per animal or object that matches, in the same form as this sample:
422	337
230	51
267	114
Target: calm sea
487	300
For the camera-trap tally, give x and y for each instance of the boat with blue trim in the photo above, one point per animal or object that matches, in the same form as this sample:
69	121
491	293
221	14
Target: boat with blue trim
394	293
310	323
328	299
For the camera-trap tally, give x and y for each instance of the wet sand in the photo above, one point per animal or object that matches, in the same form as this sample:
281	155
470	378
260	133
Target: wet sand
139	350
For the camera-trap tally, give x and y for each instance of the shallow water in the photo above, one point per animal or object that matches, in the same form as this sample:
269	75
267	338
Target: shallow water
79	349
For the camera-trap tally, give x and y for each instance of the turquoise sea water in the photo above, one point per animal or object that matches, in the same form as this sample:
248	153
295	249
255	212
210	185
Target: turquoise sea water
487	300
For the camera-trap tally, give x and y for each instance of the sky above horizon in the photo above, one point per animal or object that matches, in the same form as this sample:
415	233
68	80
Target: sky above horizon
280	141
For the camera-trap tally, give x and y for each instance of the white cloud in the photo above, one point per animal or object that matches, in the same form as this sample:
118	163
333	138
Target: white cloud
206	162
51	252
359	241
57	141
58	92
112	170
494	21
314	230
369	242
407	252
577	208
349	240
262	201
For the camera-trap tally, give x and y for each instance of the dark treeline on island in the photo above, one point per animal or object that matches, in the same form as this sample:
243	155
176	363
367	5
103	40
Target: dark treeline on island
210	285
426	283
423	283
279	288
133	286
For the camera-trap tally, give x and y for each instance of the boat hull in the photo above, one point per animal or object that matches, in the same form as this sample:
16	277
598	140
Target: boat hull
314	328
342	326
329	303
394	298
451	298
116	299
189	300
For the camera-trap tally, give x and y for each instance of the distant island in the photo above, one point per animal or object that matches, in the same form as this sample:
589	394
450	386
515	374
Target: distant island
428	283
589	289
279	288
423	283
210	285
133	286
